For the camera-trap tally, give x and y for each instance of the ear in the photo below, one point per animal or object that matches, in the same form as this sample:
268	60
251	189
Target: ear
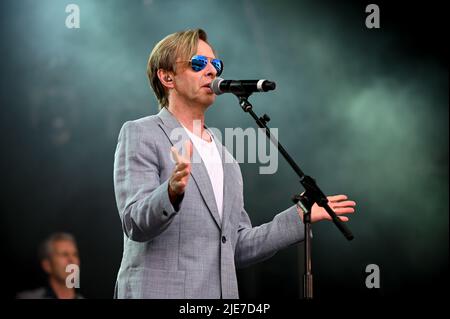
45	264
166	78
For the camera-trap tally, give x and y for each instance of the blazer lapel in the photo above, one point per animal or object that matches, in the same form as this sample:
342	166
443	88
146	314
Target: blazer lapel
229	182
198	169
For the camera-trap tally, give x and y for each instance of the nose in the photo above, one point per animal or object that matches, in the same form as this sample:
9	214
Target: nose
73	259
210	70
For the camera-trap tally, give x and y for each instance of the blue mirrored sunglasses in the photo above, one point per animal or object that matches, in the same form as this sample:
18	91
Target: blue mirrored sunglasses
199	62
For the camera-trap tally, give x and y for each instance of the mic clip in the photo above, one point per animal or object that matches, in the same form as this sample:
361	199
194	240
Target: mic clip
243	101
264	119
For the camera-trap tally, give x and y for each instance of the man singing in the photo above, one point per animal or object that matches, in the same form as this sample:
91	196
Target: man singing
185	227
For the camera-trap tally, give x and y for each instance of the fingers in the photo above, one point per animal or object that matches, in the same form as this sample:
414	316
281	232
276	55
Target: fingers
339	204
181	170
341	218
340	201
186	157
178	180
336	198
180	174
344	210
178	186
347	203
181	166
175	154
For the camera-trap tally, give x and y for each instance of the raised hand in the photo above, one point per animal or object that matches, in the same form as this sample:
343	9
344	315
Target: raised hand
180	175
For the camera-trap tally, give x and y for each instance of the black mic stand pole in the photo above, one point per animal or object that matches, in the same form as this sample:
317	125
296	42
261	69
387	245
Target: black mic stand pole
305	200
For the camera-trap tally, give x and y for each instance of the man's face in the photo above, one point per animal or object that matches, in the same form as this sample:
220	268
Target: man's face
64	252
192	88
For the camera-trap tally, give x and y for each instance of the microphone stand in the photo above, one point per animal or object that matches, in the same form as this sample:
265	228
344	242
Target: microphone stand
305	200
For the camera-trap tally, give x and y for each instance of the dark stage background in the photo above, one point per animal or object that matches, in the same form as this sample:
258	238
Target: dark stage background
364	111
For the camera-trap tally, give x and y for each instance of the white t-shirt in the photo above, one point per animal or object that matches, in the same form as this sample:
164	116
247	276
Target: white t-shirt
211	157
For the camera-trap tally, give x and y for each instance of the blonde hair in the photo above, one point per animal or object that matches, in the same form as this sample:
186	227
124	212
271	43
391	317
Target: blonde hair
181	45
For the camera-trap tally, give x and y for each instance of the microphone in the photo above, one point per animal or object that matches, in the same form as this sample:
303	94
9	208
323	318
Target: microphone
220	86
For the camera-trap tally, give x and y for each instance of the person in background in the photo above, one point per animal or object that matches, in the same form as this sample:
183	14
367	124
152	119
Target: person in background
57	252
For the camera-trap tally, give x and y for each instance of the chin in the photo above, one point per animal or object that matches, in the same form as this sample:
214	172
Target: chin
208	102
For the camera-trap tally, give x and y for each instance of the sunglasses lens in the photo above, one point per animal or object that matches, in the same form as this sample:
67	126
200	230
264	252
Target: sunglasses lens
198	63
218	64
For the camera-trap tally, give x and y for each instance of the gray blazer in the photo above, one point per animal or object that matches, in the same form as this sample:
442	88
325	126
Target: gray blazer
189	253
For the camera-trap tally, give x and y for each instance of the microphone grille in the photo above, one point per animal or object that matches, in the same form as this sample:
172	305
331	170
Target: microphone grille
215	86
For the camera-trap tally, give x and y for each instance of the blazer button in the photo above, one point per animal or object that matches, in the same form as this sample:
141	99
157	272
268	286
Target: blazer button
165	213
224	239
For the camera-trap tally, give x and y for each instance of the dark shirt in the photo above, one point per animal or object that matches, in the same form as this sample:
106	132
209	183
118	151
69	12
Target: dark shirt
45	292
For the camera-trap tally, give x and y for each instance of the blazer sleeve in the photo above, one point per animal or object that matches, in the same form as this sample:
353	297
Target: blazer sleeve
142	200
255	244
